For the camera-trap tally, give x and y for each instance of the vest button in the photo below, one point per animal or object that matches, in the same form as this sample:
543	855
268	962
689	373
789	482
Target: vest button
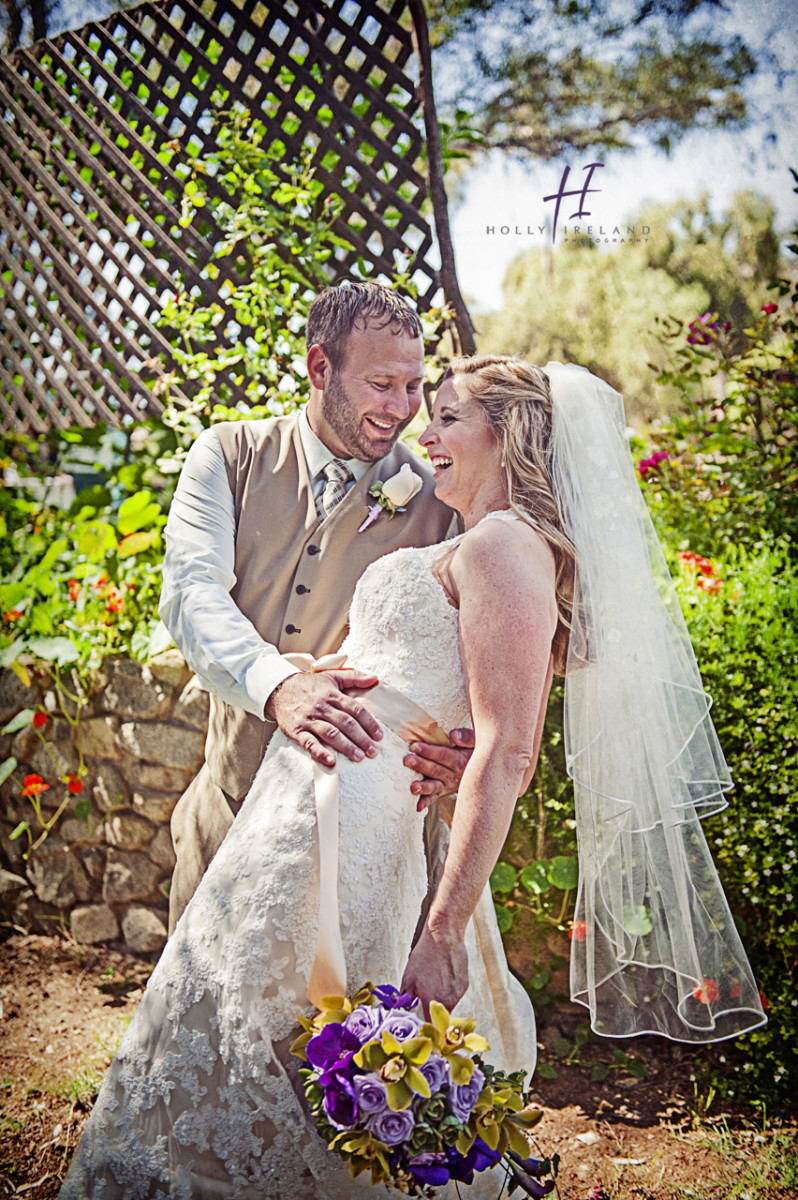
292	629
301	589
314	550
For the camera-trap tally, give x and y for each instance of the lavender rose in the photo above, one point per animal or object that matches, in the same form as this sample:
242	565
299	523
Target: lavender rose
371	1094
436	1072
365	1021
392	1128
463	1098
401	1023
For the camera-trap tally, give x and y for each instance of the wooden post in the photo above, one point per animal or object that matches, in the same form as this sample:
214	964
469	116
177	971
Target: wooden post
451	288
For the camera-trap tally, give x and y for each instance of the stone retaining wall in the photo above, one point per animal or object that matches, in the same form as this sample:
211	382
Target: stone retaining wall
143	735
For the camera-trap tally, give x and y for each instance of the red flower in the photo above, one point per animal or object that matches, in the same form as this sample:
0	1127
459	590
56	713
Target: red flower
34	785
74	785
39	720
711	585
763	1001
735	991
74	589
707	993
101	582
578	932
13	614
770	308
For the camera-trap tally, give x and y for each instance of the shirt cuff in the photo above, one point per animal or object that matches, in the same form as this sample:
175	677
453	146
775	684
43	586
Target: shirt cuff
263	677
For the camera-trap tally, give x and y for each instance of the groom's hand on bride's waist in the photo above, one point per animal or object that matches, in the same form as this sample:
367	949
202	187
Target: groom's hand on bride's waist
318	711
441	766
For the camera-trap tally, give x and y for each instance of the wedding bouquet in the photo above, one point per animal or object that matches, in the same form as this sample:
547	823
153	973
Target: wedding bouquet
412	1101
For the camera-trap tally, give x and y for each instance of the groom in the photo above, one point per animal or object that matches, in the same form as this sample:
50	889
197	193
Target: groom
263	554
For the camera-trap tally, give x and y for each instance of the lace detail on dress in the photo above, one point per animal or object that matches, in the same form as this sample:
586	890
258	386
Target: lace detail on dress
202	1100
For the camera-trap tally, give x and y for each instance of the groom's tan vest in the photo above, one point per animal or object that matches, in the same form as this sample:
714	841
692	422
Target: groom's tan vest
294	576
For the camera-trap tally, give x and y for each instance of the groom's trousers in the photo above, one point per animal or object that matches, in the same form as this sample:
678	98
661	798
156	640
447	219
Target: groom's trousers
203	815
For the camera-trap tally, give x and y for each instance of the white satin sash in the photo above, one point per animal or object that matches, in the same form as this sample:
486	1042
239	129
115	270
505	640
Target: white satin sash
411	723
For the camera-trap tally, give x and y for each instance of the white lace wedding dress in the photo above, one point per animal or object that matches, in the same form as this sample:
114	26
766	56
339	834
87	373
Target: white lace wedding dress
202	1100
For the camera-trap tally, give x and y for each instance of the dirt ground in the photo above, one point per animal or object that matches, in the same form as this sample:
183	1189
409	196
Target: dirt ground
63	1009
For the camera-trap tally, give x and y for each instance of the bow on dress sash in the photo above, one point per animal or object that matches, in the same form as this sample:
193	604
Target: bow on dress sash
411	723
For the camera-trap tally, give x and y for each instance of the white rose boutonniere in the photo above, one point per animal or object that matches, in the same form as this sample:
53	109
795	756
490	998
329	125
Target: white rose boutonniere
394	495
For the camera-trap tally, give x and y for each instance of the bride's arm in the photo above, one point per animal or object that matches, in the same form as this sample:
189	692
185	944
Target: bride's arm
505	577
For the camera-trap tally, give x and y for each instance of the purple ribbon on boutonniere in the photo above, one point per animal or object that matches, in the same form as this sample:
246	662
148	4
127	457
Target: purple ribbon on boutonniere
394	495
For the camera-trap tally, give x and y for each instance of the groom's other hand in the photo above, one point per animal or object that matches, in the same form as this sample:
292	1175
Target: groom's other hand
441	766
314	710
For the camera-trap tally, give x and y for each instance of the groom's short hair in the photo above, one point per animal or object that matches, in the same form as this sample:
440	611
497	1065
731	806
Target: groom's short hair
346	306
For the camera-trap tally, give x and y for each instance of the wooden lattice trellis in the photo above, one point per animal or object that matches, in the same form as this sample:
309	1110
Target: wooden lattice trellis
91	244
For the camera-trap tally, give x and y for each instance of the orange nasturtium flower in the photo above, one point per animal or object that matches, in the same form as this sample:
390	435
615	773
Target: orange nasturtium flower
74	588
706	993
74	785
13	614
34	785
114	600
39	719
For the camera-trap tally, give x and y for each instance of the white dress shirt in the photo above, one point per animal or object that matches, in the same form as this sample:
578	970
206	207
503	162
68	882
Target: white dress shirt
220	644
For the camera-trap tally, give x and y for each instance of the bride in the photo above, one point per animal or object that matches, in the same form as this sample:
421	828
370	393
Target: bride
319	883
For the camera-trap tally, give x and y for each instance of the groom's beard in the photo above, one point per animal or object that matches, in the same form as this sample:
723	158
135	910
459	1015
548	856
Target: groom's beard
341	413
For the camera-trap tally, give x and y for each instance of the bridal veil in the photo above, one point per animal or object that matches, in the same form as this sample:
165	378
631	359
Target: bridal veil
655	946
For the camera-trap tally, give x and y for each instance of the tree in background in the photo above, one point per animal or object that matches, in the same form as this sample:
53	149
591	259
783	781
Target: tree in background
580	304
537	77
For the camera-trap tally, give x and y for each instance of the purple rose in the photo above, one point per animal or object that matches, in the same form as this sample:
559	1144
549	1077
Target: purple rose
364	1022
371	1094
436	1072
390	997
462	1098
431	1169
329	1046
392	1128
401	1023
340	1103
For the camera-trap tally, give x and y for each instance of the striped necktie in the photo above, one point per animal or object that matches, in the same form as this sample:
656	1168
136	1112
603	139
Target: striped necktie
337	474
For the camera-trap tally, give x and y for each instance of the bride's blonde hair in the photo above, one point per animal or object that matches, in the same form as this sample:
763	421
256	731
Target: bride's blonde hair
515	398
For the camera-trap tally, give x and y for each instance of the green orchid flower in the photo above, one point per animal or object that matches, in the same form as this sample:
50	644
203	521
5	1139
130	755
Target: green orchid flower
451	1036
397	1064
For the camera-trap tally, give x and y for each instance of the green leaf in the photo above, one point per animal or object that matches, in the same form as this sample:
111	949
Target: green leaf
564	872
637	1068
160	640
21	721
546	1071
134	543
83	810
6	768
637	919
502	877
504	918
561	1047
11	652
59	650
95	539
599	1073
535	877
137	511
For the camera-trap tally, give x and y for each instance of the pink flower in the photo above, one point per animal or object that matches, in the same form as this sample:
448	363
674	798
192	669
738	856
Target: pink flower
770	308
